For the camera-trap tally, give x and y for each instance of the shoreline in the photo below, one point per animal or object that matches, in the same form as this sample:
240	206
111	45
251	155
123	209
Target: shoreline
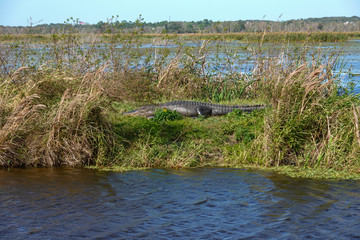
289	171
246	37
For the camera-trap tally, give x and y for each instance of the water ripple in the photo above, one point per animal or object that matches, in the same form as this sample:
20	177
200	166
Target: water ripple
174	204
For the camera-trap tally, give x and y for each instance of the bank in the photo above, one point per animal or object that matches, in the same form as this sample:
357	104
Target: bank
246	37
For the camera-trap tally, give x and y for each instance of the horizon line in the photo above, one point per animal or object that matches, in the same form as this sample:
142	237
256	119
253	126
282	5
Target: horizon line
38	23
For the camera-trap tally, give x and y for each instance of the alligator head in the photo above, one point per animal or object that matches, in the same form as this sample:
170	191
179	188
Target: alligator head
145	111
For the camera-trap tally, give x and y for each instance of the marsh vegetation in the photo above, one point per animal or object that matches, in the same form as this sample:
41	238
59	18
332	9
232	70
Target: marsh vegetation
61	103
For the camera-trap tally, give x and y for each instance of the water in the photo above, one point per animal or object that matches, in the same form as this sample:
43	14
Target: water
174	204
235	59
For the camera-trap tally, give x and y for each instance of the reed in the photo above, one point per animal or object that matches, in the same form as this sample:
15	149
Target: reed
312	126
61	106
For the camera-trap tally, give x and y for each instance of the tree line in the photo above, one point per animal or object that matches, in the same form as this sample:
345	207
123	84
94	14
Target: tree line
113	25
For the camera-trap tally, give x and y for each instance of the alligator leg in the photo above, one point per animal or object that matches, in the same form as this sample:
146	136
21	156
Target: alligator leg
204	111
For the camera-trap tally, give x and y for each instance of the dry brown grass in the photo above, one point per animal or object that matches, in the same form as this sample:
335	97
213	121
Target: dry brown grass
58	133
131	86
21	122
67	140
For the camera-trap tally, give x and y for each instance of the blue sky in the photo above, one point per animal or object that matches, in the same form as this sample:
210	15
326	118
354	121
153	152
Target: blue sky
17	12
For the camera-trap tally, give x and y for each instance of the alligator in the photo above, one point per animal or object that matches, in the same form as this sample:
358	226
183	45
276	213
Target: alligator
192	109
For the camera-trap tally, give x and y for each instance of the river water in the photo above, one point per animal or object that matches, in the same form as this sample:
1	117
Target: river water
70	203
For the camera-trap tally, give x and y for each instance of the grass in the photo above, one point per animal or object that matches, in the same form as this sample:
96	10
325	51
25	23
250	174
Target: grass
304	172
272	37
278	37
62	107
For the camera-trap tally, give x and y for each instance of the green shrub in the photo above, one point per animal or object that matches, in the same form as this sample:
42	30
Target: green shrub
166	115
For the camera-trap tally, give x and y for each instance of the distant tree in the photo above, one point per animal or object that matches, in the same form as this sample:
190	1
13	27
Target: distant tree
190	28
206	25
173	27
239	26
320	26
100	25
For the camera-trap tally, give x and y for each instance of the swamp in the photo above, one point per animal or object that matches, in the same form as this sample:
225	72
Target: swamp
68	154
61	103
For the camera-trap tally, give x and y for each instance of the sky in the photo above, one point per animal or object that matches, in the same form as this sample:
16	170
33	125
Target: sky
19	12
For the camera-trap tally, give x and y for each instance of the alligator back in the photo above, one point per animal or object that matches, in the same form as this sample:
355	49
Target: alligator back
216	109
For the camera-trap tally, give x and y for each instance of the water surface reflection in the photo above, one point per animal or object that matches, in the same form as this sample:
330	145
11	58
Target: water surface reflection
169	204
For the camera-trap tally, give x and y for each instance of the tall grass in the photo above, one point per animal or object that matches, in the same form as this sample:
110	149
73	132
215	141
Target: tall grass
60	104
310	125
50	120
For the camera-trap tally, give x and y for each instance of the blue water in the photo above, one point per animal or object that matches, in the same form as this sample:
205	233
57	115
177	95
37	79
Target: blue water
174	204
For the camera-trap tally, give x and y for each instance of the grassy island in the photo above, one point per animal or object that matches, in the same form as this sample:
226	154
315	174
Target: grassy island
61	105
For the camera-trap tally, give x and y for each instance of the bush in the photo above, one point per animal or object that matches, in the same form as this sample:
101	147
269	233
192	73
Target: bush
166	115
